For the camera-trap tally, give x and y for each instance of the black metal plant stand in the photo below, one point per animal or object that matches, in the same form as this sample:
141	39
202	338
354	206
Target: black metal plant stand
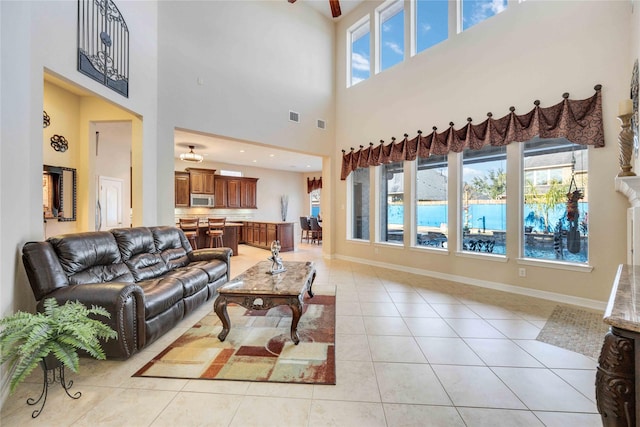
51	375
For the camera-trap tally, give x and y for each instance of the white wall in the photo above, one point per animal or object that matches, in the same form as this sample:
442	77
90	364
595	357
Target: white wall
256	60
533	50
42	35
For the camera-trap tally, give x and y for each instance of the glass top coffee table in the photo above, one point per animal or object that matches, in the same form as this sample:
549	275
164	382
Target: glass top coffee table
257	289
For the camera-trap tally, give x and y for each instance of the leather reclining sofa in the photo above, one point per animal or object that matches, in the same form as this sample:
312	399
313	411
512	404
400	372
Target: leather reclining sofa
147	278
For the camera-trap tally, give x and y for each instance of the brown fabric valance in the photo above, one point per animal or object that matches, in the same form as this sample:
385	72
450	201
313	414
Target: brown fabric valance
579	121
313	184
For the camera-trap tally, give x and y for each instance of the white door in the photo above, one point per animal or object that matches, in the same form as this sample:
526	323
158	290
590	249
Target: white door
109	203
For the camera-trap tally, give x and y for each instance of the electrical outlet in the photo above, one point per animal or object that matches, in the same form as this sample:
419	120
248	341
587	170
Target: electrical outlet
522	272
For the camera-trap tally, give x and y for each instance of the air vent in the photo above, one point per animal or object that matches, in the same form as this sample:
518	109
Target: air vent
322	124
294	117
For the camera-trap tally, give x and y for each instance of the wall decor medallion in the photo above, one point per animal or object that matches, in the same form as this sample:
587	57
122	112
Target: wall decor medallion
59	143
103	44
634	118
46	120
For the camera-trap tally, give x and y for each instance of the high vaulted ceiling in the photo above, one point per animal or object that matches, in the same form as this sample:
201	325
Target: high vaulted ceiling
323	7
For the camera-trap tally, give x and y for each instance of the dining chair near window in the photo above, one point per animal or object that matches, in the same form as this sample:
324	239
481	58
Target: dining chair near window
216	231
190	228
306	228
316	230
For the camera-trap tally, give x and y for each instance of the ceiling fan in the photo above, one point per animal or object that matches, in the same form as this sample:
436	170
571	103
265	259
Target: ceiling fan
335	7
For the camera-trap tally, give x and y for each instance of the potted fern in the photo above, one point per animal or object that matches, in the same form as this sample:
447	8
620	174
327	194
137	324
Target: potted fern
54	336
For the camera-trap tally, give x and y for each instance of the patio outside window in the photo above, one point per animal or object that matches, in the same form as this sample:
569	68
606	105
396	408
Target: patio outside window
483	216
392	203
555	203
431	202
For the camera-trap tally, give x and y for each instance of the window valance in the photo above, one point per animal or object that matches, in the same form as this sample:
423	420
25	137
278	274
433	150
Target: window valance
313	184
579	121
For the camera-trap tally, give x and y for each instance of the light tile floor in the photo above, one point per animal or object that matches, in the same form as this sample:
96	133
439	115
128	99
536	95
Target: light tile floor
410	351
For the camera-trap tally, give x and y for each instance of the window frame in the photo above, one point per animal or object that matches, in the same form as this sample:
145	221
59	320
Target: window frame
361	23
350	212
378	34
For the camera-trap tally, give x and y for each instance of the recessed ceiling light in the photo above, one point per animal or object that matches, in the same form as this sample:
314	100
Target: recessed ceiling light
255	161
272	155
242	151
308	166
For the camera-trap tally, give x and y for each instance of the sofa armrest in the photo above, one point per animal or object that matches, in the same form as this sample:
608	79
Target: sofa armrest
207	254
125	303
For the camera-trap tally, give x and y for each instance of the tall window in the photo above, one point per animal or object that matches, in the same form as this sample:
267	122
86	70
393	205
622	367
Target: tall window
473	12
392	203
484	203
358	38
556	205
391	33
431	202
432	23
314	200
359	204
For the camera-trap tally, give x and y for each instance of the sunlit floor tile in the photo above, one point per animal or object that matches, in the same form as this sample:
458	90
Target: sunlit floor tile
385	326
481	417
501	352
410	383
542	390
355	381
422	415
448	351
196	409
275	411
429	327
476	386
355	414
395	349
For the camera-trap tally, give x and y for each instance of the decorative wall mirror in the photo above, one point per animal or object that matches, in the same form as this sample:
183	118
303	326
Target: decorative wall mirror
59	193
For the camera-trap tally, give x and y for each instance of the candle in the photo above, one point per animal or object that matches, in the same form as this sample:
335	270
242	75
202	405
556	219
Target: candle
625	107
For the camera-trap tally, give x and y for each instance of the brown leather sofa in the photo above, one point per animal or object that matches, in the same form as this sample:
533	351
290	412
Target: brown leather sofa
147	278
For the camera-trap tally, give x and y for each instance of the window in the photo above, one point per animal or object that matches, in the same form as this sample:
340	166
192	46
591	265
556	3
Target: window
359	67
473	12
431	202
230	173
484	208
431	23
359	204
555	202
392	202
314	200
390	17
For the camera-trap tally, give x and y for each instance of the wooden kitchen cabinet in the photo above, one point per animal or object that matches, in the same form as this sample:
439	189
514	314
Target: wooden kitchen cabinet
235	192
181	183
261	234
202	181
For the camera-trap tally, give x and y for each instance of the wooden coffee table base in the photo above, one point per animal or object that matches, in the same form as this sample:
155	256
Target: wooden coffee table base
290	290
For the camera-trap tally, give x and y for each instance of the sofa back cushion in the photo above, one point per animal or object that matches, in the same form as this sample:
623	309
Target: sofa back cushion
172	245
91	257
43	269
139	252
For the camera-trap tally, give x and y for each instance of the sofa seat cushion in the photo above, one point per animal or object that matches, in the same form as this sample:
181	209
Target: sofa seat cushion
215	268
192	279
160	294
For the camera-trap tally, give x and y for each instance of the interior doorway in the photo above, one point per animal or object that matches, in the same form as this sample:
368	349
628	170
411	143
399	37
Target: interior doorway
112	151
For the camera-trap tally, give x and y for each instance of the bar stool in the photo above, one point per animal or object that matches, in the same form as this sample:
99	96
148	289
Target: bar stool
216	231
190	228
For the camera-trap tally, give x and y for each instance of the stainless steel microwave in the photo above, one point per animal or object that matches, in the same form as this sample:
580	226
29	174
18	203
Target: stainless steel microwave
201	200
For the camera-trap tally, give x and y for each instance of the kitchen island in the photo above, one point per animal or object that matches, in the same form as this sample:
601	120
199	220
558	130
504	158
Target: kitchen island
261	233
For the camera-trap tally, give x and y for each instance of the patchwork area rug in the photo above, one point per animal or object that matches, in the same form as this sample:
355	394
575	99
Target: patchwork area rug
258	347
574	329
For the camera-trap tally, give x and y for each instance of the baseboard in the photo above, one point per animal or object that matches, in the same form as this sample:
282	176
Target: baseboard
551	296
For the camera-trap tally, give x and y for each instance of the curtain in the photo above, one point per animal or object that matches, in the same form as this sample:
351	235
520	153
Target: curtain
313	184
579	121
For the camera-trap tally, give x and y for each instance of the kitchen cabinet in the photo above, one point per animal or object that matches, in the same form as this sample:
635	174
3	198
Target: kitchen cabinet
261	234
181	183
201	180
235	192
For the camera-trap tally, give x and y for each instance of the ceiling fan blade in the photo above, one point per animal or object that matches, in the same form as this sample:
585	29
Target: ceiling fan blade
335	8
292	1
